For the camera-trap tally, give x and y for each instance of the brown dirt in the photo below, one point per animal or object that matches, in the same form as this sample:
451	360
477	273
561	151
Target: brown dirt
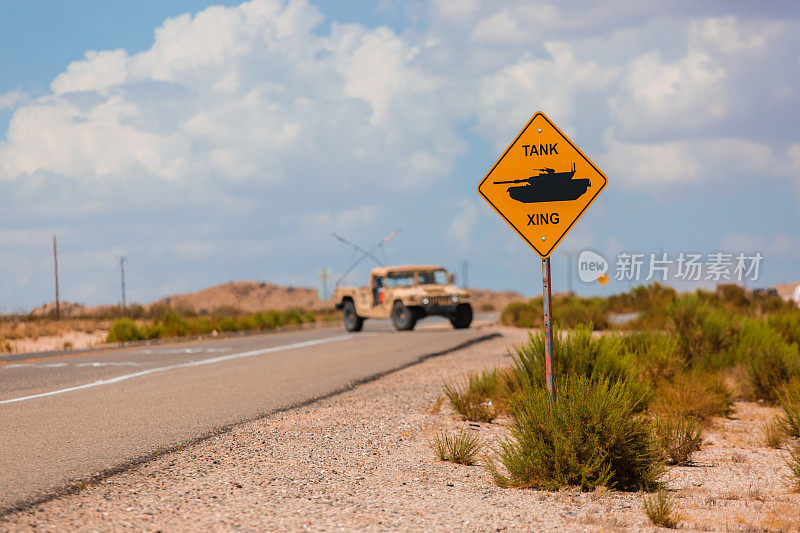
361	461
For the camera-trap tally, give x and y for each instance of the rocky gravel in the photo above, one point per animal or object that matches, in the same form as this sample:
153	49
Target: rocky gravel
361	461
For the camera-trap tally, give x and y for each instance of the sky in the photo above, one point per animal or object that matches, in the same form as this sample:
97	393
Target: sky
216	141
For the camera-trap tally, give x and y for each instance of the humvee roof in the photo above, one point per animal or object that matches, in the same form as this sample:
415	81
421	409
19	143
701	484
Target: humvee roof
383	271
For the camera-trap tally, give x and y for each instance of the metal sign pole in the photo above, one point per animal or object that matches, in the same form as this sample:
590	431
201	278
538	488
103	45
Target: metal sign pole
548	329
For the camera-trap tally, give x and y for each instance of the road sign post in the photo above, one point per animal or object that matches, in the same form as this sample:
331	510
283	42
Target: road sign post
541	186
548	329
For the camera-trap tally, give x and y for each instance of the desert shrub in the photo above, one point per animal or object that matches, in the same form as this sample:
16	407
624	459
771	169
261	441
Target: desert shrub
733	296
572	311
660	509
787	324
590	436
522	315
480	397
650	301
789	398
568	311
308	317
124	330
291	317
269	319
173	325
577	352
249	323
772	434
227	324
655	353
770	361
678	438
694	395
461	448
704	334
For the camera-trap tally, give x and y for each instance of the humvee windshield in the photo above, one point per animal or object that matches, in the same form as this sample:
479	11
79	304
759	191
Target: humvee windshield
437	277
400	279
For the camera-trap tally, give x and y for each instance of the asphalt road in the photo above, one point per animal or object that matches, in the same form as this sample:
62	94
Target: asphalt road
67	417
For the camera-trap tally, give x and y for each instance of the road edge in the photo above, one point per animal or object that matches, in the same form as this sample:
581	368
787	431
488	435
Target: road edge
76	486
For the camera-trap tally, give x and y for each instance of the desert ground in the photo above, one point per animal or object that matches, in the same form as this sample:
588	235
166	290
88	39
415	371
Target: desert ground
362	460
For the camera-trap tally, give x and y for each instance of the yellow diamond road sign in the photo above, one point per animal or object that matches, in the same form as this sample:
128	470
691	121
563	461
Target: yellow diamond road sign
542	184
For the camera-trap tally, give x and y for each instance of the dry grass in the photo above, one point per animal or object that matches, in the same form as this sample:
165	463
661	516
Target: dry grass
481	397
793	462
772	435
678	438
660	509
699	396
462	448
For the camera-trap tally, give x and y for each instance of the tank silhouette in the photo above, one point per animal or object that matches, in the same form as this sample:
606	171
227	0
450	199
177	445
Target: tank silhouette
548	186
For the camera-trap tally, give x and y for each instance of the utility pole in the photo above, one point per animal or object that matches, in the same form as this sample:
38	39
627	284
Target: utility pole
325	276
465	274
55	264
122	276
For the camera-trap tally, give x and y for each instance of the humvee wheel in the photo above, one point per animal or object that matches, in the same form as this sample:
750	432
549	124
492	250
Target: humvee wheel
403	318
462	318
352	322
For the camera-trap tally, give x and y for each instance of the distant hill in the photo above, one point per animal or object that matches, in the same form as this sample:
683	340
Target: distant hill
254	296
248	296
486	300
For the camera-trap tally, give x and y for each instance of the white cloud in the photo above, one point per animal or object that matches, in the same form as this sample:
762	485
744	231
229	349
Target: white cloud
508	97
704	161
250	92
656	94
12	99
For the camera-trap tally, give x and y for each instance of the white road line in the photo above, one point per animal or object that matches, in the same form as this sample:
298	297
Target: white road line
209	361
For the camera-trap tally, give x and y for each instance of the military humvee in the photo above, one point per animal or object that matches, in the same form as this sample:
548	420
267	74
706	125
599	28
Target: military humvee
405	294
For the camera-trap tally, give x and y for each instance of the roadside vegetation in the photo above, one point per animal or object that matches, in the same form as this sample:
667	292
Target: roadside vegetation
462	448
136	322
636	399
171	324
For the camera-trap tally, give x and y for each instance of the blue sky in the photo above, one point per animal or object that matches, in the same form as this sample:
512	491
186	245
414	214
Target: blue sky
216	143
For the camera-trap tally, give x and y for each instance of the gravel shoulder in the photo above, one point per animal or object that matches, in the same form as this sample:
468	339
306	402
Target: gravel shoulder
361	460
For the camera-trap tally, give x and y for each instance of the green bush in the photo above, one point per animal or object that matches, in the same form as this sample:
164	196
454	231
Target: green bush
704	334
174	325
656	354
291	317
568	311
770	361
125	330
577	352
786	323
789	398
590	436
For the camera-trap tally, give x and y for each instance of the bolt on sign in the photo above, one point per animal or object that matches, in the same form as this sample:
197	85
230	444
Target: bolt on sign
542	184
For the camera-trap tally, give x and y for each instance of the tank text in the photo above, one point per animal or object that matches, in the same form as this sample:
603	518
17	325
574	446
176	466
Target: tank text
542	149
